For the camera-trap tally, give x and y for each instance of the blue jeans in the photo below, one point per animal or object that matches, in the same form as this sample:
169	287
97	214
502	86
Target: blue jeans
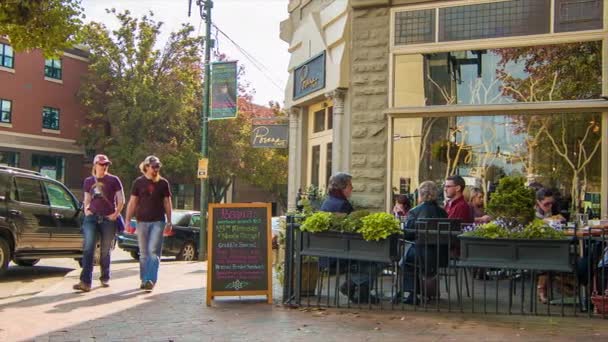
150	238
91	227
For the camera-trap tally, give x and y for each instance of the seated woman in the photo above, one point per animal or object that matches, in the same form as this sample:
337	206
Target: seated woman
402	206
476	204
428	208
338	191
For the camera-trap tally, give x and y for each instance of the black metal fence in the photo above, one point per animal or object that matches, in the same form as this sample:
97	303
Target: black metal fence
426	269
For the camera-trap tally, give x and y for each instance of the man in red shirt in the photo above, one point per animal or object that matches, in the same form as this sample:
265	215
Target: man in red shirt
456	206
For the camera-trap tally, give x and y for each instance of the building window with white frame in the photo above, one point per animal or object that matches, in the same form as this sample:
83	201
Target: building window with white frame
6	107
50	118
7	56
52	68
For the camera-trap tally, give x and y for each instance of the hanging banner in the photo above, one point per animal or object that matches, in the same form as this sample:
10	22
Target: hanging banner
223	90
270	136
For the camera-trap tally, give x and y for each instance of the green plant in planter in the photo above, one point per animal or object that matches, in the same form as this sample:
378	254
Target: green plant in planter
539	229
512	202
379	226
317	222
490	230
352	222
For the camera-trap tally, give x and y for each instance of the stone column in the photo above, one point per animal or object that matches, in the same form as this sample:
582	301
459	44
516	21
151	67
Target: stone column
338	95
293	181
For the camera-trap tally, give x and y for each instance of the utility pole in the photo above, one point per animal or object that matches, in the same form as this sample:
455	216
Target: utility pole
205	7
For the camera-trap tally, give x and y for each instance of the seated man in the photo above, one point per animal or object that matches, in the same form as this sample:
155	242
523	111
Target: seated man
428	208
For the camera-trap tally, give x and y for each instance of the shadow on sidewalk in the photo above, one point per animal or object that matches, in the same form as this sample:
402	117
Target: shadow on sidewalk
93	301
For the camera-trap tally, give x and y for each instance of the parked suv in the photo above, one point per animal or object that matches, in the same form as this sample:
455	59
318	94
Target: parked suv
39	218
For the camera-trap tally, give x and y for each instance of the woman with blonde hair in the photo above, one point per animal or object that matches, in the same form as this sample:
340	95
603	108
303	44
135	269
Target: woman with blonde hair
103	201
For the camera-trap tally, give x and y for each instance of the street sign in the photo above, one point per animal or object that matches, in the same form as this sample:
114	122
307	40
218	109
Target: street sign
202	168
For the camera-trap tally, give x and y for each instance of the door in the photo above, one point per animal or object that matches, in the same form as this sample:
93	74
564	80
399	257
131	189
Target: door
29	212
66	234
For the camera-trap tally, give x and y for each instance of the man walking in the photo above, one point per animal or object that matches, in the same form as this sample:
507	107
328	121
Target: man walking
150	201
457	207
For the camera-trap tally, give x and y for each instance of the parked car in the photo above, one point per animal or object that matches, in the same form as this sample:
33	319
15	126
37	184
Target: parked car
183	242
39	218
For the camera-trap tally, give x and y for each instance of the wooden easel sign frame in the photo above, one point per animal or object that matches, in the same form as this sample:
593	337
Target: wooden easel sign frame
239	247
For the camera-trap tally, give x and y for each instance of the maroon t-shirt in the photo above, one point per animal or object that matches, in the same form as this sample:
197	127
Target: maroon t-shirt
103	193
151	195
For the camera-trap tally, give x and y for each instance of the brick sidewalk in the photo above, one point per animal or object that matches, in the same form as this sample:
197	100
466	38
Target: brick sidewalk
176	311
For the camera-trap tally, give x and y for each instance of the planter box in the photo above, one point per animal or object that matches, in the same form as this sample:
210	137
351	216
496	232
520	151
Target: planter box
348	246
541	255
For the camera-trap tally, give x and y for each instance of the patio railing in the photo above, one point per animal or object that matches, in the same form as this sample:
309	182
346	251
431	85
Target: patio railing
343	271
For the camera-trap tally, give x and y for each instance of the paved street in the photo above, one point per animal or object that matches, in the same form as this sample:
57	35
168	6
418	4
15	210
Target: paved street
175	311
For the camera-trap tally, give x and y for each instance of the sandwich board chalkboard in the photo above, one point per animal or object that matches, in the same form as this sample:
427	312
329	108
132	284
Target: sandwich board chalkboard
239	250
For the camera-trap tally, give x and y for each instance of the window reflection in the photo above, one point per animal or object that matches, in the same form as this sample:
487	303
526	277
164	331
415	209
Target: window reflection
560	151
494	76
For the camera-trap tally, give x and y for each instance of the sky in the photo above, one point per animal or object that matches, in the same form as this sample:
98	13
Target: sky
252	24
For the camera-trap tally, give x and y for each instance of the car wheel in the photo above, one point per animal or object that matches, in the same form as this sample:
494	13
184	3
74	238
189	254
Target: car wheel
188	252
135	255
26	262
5	255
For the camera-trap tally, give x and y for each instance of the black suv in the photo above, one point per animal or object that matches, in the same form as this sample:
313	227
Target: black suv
39	218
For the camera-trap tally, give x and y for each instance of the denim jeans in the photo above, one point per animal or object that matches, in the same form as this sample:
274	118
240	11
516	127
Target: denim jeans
91	229
150	238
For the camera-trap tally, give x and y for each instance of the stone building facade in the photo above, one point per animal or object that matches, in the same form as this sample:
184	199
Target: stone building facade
426	89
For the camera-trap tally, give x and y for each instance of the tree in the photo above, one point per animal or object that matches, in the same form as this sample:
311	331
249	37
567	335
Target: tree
50	25
141	100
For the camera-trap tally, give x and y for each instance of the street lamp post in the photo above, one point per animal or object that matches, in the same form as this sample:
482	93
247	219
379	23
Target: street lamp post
205	7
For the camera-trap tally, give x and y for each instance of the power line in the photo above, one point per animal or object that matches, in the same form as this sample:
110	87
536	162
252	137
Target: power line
256	63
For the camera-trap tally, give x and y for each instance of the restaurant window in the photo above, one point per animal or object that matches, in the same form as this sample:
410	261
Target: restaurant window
577	15
318	145
319	123
415	27
6	108
557	72
50	166
9	158
562	151
7	56
52	68
50	118
315	166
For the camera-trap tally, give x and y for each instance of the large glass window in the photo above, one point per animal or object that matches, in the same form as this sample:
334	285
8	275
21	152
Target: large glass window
51	166
50	118
506	75
52	68
6	108
7	56
9	158
29	191
560	151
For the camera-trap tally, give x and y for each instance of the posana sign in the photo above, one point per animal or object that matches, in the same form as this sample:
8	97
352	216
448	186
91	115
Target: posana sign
270	136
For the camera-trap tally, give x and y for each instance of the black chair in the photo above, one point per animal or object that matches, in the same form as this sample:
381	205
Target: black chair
437	249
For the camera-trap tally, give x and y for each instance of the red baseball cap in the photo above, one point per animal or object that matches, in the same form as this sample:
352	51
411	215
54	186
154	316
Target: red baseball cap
101	159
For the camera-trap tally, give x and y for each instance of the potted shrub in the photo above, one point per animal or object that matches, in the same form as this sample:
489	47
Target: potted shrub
515	239
358	236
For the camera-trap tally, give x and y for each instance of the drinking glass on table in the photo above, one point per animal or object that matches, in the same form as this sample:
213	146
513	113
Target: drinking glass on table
582	220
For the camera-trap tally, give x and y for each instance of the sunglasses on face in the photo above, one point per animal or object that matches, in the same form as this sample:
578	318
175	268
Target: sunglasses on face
104	165
546	204
155	167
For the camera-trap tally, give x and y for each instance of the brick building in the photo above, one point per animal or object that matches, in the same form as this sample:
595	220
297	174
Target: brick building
41	115
397	92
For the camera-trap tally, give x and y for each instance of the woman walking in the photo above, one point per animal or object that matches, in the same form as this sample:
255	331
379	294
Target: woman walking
103	201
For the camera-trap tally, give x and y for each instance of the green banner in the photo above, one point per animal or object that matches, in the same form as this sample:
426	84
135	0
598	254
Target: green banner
223	90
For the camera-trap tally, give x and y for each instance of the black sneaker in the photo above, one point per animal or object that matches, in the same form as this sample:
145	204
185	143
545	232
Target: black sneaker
149	285
104	283
142	286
